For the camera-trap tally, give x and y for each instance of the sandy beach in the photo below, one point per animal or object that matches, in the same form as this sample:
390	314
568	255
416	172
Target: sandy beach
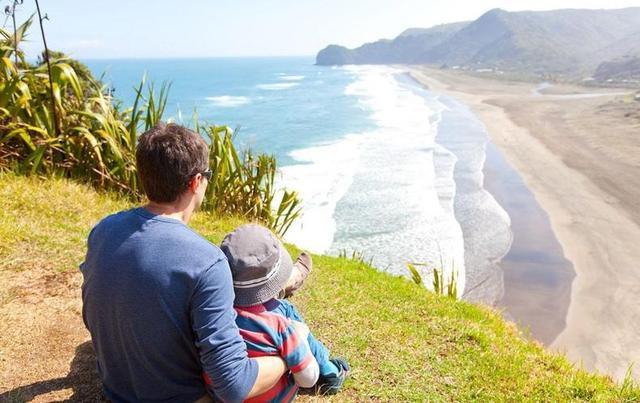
578	151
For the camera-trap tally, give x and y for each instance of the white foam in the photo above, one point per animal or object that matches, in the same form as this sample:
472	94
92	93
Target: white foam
381	192
485	224
291	78
321	178
406	180
276	86
229	101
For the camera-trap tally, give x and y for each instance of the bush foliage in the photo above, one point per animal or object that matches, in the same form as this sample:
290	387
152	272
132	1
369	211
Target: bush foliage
94	138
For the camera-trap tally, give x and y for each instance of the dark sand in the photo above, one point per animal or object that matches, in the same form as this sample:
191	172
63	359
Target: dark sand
537	276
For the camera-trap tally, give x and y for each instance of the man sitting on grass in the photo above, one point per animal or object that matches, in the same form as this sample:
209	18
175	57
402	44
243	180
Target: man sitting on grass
158	298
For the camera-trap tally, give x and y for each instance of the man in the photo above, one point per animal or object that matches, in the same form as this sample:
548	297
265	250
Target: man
158	297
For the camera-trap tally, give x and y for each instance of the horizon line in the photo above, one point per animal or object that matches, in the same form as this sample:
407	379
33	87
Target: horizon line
186	57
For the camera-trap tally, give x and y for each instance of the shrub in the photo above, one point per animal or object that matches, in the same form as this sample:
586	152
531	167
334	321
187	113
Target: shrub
94	138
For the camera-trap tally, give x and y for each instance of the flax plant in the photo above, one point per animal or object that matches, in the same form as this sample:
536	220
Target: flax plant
94	138
440	283
245	185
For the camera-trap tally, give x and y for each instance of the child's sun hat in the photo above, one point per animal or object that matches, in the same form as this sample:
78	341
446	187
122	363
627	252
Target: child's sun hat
260	265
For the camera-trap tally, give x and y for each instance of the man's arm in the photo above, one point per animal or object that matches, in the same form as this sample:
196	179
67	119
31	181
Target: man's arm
223	353
270	370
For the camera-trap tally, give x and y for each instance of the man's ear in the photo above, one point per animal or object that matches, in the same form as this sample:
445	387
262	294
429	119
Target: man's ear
194	183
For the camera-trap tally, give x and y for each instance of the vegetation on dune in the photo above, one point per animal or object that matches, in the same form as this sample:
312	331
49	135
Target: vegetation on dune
441	284
93	137
403	342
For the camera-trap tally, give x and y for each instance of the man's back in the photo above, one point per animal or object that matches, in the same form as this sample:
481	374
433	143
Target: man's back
157	301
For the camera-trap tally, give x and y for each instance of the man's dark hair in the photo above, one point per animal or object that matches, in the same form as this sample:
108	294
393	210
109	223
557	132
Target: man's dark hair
167	157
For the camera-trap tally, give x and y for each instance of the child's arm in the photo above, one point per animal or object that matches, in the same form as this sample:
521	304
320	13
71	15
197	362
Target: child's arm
319	351
294	349
308	376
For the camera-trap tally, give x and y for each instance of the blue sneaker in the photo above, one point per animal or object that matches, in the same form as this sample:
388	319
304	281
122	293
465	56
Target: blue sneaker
331	384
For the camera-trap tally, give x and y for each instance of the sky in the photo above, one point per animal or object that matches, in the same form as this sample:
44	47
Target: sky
90	29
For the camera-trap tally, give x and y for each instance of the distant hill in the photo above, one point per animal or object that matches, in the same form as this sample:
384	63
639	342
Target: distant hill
622	70
405	48
555	42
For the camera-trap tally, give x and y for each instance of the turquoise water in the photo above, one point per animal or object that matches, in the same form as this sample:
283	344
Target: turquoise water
278	104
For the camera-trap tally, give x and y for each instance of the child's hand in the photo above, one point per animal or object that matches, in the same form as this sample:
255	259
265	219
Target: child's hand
302	330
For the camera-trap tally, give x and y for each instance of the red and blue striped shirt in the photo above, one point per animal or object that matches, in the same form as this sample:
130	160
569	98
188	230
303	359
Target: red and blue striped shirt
267	331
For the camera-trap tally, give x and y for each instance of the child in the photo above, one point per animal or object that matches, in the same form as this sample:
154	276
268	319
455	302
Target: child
262	272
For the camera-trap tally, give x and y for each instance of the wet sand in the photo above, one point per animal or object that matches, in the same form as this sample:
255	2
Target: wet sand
580	157
537	277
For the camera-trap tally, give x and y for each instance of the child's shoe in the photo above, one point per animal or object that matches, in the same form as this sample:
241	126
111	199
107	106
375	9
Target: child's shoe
301	269
331	384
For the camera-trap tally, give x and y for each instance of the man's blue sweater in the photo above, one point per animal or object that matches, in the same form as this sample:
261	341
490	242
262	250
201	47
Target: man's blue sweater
158	302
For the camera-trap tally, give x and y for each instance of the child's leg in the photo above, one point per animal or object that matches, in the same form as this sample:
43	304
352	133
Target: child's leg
301	269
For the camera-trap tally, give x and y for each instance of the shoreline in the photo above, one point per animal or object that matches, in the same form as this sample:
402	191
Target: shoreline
485	224
595	224
536	275
384	160
520	268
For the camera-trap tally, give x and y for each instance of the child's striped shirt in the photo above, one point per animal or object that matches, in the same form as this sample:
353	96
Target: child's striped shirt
268	332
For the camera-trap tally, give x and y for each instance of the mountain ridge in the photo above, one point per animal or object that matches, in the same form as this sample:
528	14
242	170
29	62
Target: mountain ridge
564	42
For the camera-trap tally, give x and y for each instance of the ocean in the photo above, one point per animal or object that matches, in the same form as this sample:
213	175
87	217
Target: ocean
384	166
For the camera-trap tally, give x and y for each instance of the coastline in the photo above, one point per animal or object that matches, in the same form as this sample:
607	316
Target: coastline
536	275
486	226
391	163
424	347
594	218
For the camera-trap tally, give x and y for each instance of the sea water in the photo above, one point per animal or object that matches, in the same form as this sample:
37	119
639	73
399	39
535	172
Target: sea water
276	105
383	166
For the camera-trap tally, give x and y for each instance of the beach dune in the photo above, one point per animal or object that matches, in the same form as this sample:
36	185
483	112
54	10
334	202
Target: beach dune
578	150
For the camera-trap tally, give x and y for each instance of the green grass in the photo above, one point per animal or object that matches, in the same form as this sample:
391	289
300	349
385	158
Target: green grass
403	342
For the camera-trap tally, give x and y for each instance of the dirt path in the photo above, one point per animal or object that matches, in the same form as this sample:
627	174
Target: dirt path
45	350
45	353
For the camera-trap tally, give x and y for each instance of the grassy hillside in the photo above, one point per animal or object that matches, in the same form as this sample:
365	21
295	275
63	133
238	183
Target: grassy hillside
403	342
